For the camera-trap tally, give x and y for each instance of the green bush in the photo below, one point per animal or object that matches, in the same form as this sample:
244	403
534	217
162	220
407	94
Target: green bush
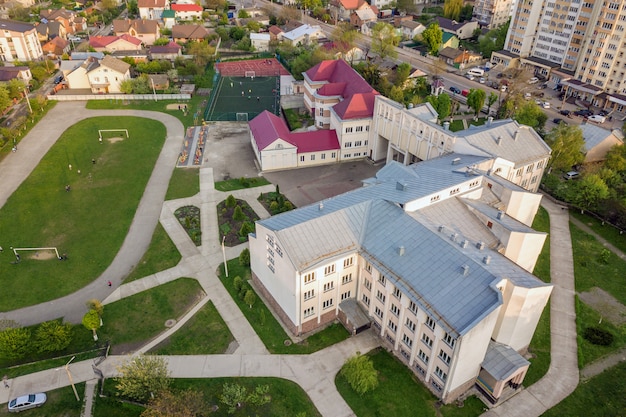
246	228
237	283
598	336
238	214
360	373
244	257
273	207
51	336
605	256
15	343
230	201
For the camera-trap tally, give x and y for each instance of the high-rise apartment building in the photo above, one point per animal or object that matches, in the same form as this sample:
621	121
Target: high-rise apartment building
574	44
492	13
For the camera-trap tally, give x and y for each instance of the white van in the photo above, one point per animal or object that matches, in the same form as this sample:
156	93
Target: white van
476	72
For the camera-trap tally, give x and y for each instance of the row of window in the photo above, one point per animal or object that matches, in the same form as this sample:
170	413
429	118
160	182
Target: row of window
331	269
357	143
357	129
322	156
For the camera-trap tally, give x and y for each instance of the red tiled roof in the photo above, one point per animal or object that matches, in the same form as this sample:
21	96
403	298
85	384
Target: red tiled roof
332	89
338	72
101	41
351	4
275	30
151	3
130	39
266	128
186	7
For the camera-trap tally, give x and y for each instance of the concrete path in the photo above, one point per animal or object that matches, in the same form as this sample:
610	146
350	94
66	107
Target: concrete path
562	376
90	391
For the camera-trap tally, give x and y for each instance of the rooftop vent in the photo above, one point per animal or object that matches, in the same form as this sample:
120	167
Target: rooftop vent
441	228
480	245
465	270
321	206
499	140
464	243
446	125
487	260
456	161
401	186
401	251
489	120
453	237
500	214
488	172
516	135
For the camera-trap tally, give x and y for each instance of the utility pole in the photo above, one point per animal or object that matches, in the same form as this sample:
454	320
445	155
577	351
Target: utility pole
69	376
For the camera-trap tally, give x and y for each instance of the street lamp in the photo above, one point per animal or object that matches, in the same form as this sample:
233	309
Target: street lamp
224	254
69	376
28	101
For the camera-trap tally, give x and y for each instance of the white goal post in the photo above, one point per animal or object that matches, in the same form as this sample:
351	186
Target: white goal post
100	131
35	249
250	74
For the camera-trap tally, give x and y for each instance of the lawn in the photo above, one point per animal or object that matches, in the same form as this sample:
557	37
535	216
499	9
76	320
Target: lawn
610	233
540	349
602	395
240	183
542	267
60	403
88	223
185	182
134	320
205	333
399	393
268	329
6	147
592	271
161	255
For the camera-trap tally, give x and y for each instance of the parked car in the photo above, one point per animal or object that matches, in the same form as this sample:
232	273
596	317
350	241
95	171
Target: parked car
75	39
527	96
58	79
469	76
565	112
545	105
503	88
464	93
533	80
26	402
455	90
543	86
500	75
572	175
558	121
597	118
482	80
583	113
603	112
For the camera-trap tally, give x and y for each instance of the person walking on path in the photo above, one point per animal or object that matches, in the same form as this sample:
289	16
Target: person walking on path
5	379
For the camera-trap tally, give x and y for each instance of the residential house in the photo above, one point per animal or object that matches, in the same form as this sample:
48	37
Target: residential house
458	58
260	41
342	9
115	43
100	76
598	141
462	30
187	11
171	51
435	257
348	53
449	40
276	33
304	35
147	31
11	73
368	28
19	42
410	29
152	9
56	47
159	82
186	33
169	18
61	16
360	17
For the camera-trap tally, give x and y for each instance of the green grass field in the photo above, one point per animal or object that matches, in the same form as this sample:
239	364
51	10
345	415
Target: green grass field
88	223
234	95
161	255
60	403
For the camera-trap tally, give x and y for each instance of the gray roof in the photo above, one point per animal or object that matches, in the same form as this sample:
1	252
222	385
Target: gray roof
594	135
370	220
14	26
507	222
502	361
84	55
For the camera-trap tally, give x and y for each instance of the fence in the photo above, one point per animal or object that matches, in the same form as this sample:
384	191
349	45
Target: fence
124	97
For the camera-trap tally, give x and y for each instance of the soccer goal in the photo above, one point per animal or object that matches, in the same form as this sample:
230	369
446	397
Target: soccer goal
37	250
112	133
242	117
250	74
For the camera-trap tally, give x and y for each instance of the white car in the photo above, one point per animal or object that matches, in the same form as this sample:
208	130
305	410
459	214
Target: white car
74	39
597	118
469	77
26	402
482	80
533	80
546	105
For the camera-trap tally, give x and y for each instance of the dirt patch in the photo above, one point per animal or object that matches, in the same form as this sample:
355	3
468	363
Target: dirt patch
605	304
176	106
43	255
113	140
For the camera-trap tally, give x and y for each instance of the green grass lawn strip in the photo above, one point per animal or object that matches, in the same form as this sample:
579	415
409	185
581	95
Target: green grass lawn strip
185	182
161	255
591	271
205	333
267	327
540	349
90	222
542	267
142	316
240	183
61	402
610	233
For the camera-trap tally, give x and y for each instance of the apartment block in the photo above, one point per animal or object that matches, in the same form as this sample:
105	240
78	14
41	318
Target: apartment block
19	42
492	13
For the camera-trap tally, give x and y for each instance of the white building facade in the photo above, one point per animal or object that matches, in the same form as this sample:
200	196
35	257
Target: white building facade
19	42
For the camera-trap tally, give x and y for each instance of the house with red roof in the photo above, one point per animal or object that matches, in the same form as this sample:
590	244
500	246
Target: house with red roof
147	31
276	148
342	9
187	11
56	47
115	43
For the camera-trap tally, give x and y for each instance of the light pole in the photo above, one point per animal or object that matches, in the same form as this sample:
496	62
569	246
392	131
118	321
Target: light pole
153	90
69	376
224	254
28	101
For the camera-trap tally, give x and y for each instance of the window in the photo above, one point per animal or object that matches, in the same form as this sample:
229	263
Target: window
348	130
333	155
310	277
366	300
321	111
427	340
330	269
348	155
392	326
309	311
367	284
359	129
301	158
397	293
413	307
395	310
441	374
312	157
423	356
329	286
410	324
358	143
382	279
449	340
407	340
378	312
348	262
346	279
345	295
444	357
279	251
368	267
309	294
327	304
430	323
380	296
323	156
347	145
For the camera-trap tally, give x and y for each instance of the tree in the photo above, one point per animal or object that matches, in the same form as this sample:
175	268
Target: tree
384	40
493	40
233	396
433	37
530	114
396	94
238	214
14	343
126	86
51	336
567	145
249	298
360	373
109	5
407	6
452	9
230	201
215	4
244	257
476	100
242	14
5	100
16	88
402	73
491	99
467	11
91	320
246	228
203	53
188	403
442	105
237	283
95	304
143	377
589	191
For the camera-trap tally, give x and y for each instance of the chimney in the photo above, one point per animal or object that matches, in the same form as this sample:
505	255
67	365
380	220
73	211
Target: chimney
480	245
446	125
401	251
499	140
453	237
464	243
500	215
321	206
400	186
516	135
465	270
489	120
441	228
487	260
